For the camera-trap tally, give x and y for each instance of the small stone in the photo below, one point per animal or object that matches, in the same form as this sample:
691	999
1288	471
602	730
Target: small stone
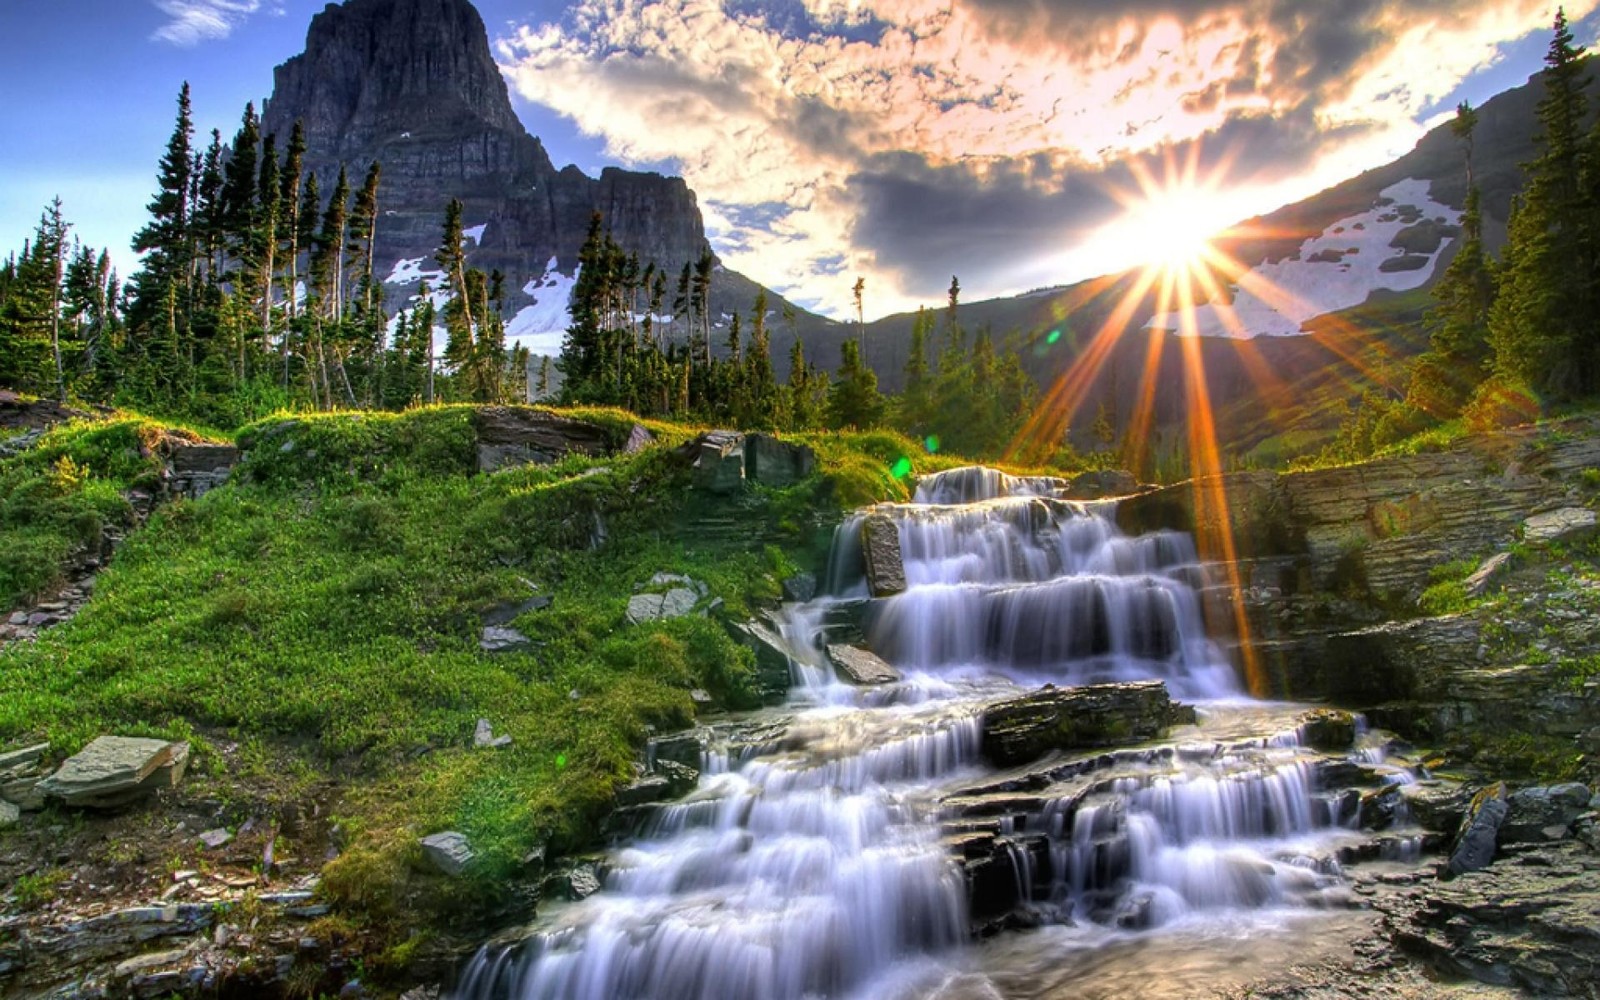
215	838
15	760
449	852
501	639
185	875
700	696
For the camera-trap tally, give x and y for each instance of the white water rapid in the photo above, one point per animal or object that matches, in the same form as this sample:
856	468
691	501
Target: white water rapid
855	843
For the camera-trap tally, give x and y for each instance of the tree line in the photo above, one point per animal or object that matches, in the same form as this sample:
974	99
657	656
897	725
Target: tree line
1512	336
629	346
254	292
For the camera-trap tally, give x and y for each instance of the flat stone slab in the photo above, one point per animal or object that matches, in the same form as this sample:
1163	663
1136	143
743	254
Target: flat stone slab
26	757
675	603
861	666
112	770
499	639
1564	525
449	852
1487	574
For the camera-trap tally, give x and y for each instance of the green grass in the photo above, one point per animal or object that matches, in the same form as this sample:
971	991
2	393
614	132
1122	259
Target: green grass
327	605
59	497
1447	593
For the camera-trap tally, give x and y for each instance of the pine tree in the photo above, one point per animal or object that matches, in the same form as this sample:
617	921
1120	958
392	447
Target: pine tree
914	408
761	385
1540	317
854	400
163	286
1445	376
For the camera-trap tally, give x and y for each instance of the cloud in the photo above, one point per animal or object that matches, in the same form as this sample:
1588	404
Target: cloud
906	139
191	22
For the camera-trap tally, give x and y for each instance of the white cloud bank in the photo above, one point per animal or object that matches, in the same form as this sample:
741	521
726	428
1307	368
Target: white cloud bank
191	22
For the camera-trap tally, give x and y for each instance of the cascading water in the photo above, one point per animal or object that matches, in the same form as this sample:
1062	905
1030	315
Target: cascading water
828	862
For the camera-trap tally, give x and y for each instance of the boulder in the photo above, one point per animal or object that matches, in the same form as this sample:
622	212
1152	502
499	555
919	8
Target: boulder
1479	831
861	666
650	788
638	440
675	603
1436	805
1487	574
1570	524
1540	814
449	852
686	748
1329	729
509	436
1082	718
114	770
772	462
772	658
719	462
800	588
880	549
10	815
681	779
499	639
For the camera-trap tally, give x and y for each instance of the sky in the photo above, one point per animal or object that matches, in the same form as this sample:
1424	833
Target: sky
1016	143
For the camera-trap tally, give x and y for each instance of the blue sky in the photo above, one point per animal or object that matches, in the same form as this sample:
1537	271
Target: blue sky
900	139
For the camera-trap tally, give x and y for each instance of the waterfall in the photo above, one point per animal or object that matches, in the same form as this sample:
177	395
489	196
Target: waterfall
813	865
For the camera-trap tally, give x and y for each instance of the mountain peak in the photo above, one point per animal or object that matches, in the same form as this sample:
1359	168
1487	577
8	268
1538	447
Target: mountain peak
380	71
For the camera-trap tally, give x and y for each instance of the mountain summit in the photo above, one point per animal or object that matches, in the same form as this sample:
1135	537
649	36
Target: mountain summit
412	85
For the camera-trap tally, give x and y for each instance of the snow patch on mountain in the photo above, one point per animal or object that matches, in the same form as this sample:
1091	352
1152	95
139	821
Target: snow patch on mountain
541	326
1337	270
475	234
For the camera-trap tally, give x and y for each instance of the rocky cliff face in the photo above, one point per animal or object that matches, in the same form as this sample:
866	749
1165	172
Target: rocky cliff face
411	84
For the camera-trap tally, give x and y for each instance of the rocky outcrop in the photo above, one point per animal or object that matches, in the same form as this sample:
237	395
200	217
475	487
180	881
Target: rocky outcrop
197	468
1328	729
1379	528
520	435
449	852
1527	922
771	658
1102	715
1569	524
115	770
880	551
724	461
861	667
20	415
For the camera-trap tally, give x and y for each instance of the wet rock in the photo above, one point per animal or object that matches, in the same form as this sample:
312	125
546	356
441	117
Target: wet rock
1479	831
650	788
685	748
771	653
1328	729
861	666
675	603
1569	524
1025	729
114	770
880	549
1436	805
719	462
1487	574
681	778
800	588
509	436
1540	814
448	852
582	881
776	463
501	639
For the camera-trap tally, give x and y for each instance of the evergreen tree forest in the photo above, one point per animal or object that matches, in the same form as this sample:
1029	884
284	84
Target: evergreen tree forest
629	346
1513	337
255	292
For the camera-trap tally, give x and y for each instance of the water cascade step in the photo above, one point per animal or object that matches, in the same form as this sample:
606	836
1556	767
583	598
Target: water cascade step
864	832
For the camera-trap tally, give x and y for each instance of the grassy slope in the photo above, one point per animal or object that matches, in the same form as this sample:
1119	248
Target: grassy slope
324	610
